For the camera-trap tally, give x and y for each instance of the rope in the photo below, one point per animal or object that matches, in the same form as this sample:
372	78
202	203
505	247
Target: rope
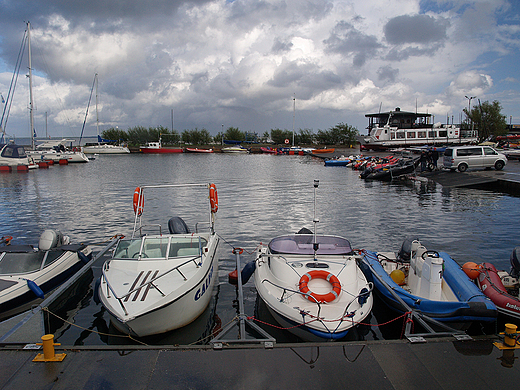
46	309
213	333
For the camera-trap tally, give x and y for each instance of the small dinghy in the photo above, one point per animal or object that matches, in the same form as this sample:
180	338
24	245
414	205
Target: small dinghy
312	284
500	286
429	282
27	274
157	283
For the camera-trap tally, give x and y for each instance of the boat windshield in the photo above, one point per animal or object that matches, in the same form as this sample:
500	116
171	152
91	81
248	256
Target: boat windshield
158	247
302	244
21	262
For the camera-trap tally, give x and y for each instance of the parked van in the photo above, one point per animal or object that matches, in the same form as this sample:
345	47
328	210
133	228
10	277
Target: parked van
464	157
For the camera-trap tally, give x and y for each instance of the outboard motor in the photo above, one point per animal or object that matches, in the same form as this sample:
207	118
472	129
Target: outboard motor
515	262
51	238
176	225
405	253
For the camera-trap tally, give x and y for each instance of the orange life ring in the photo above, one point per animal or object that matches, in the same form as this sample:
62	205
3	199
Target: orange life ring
320	274
213	197
138	201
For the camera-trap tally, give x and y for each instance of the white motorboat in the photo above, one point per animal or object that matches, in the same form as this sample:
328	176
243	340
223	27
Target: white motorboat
13	155
56	150
312	284
235	149
157	283
28	274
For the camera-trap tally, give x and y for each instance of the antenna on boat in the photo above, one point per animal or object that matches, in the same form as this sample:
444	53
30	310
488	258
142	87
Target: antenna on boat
315	220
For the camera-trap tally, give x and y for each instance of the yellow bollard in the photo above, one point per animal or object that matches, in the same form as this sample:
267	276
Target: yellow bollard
48	350
510	335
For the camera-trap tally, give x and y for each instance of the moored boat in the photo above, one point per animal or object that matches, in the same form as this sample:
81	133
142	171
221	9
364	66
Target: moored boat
235	149
198	150
429	282
56	150
500	286
27	274
155	283
312	284
398	128
12	155
157	148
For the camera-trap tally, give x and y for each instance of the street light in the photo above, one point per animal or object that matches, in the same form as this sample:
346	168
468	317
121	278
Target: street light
469	108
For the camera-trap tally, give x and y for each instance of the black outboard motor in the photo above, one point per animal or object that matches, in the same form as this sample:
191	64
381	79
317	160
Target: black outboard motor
176	225
515	262
405	253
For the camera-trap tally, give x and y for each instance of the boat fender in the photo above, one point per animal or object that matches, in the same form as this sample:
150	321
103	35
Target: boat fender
515	262
320	274
213	197
138	201
176	225
83	257
363	296
247	271
471	269
233	277
35	289
97	285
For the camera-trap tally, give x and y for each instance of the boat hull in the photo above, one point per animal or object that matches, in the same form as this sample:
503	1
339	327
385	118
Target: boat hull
176	313
160	150
471	304
105	149
15	294
278	277
491	285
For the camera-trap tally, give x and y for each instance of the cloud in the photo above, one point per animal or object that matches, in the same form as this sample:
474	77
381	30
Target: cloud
420	29
470	82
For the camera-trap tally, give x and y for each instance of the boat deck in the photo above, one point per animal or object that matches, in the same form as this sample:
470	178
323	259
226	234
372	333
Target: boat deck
437	364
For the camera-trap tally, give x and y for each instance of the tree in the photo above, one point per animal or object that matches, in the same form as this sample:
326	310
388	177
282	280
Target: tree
115	135
279	136
305	137
488	119
234	134
341	134
196	137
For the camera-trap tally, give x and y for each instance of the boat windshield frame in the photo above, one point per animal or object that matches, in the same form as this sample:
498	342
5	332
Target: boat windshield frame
156	247
303	244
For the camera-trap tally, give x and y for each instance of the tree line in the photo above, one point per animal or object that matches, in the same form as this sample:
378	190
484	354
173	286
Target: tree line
485	117
341	134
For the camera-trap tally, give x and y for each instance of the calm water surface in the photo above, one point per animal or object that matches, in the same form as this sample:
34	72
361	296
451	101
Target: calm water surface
260	196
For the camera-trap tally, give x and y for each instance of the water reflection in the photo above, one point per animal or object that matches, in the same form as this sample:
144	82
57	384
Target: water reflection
260	197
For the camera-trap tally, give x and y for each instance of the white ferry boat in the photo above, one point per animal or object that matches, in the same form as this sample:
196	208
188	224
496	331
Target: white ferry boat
398	128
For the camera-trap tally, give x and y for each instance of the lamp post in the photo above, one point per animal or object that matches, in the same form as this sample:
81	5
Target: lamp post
469	105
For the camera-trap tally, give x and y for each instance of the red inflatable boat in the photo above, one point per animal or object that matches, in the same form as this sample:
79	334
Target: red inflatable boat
491	285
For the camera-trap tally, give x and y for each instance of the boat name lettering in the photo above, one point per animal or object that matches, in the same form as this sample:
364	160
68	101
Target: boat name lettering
205	286
512	306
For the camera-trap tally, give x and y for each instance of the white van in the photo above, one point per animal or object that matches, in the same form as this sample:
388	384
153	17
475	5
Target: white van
464	157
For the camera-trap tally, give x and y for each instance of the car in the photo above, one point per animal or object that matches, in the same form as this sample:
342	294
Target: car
464	157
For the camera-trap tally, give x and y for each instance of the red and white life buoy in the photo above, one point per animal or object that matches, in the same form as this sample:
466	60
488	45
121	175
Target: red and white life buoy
138	201
320	274
213	197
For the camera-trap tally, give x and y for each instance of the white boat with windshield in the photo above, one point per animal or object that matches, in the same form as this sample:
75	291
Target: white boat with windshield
155	283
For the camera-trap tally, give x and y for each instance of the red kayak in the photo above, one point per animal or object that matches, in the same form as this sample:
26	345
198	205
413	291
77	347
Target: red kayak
491	285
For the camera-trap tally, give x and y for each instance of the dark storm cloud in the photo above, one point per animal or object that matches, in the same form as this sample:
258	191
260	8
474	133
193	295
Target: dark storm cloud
421	29
387	73
347	40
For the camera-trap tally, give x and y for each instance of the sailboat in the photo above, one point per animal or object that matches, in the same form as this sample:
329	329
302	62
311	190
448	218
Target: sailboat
102	146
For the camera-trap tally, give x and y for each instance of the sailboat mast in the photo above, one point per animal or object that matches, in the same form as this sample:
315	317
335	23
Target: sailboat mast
97	113
31	104
293	117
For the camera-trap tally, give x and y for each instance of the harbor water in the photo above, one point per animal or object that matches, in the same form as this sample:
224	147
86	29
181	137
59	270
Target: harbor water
260	197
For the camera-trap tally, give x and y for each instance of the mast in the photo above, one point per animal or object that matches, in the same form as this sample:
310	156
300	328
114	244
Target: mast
293	117
97	113
31	104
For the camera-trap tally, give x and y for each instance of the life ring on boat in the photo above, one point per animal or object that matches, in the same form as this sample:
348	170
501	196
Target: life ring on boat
138	201
213	197
319	274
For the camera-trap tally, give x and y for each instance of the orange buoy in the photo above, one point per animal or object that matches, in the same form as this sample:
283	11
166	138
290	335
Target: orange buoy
138	201
319	274
471	269
213	197
233	277
398	276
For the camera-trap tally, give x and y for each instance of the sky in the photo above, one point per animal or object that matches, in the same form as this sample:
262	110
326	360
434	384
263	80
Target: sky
255	65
